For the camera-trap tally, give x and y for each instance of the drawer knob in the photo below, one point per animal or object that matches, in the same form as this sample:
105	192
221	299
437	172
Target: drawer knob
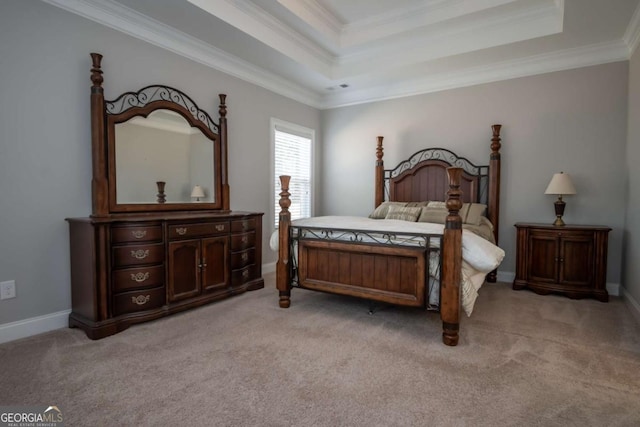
220	227
245	274
181	231
141	299
138	234
245	239
245	256
140	277
140	254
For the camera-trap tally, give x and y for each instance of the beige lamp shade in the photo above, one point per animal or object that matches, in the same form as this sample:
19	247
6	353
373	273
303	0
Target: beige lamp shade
560	184
197	193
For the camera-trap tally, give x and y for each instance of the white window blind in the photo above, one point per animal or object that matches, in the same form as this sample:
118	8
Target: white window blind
292	150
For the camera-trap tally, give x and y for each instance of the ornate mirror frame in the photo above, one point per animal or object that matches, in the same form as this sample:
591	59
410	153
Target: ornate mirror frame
106	114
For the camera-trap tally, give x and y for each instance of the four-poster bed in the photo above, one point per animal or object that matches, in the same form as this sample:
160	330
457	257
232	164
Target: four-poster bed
404	259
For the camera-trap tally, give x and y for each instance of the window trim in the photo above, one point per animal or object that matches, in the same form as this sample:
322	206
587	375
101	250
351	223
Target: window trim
298	130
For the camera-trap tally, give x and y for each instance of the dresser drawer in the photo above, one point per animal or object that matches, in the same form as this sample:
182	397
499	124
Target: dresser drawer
124	256
184	231
243	241
131	302
243	225
243	275
136	233
137	278
243	258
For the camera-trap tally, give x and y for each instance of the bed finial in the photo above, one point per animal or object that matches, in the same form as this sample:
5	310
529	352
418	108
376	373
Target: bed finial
495	141
379	191
96	71
283	271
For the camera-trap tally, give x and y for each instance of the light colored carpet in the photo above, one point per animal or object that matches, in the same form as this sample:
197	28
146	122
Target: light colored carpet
523	360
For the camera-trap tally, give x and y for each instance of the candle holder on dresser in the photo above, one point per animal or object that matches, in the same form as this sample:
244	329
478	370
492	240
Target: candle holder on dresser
162	198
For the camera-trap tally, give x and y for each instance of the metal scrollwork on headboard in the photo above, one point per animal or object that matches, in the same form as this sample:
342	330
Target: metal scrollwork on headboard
150	94
436	154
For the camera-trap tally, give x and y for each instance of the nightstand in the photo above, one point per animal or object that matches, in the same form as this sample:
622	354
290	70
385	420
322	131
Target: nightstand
571	260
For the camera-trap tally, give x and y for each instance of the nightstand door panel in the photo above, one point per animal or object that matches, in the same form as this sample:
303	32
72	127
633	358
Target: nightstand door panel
576	257
543	250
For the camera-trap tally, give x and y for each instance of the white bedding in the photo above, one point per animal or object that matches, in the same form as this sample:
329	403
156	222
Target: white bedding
479	256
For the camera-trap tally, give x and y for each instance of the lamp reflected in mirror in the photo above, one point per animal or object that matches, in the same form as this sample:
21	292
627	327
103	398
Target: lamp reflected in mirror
560	185
197	193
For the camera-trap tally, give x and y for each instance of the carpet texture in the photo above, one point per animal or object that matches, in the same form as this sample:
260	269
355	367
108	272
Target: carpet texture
523	360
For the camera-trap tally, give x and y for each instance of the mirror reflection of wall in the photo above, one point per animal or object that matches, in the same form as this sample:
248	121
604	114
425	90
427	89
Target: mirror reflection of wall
161	147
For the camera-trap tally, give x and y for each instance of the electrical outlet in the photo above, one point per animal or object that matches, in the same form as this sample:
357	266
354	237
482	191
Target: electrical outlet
8	289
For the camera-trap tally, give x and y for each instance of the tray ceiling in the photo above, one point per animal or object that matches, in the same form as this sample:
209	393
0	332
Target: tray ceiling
329	53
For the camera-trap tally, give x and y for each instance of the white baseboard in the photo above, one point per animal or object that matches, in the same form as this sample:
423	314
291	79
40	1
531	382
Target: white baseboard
269	268
631	302
34	326
506	276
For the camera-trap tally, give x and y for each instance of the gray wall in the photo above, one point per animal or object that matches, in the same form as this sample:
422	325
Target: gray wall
573	121
631	281
45	157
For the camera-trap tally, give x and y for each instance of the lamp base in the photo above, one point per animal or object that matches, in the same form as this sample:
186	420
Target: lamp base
559	207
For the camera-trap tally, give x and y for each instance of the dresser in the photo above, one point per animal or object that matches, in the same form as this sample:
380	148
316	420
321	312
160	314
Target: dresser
570	260
127	271
161	237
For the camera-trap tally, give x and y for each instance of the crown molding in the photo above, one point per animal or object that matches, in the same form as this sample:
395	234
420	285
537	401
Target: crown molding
314	14
130	22
632	34
566	59
497	30
254	21
127	21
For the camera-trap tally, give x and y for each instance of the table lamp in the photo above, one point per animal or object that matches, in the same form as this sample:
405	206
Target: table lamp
561	185
197	193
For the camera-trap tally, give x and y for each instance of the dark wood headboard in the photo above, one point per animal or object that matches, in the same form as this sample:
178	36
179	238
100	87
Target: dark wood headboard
423	177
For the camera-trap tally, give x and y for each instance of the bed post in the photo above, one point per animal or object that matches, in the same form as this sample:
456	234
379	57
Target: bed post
494	189
451	261
379	195
283	272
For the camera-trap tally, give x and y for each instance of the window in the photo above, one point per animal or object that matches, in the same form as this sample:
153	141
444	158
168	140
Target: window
292	149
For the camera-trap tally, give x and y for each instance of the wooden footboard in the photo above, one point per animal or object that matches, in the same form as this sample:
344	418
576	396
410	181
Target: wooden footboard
397	275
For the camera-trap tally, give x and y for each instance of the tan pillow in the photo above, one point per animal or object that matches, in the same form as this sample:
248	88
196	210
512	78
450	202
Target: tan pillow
472	213
414	204
381	211
404	213
435	212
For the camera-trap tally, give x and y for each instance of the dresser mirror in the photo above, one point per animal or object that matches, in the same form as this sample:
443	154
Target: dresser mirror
162	147
155	150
